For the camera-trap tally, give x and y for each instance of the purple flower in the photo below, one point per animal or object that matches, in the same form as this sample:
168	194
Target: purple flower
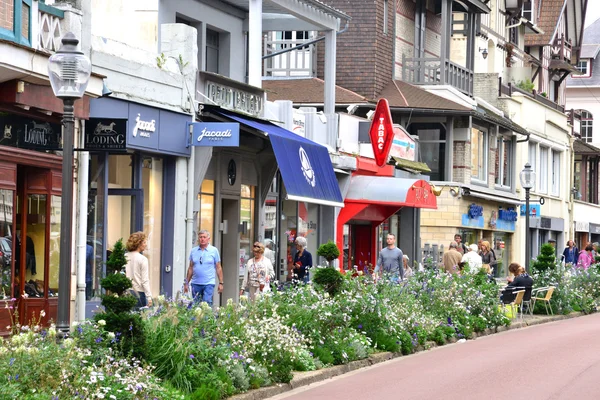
98	339
192	357
11	362
359	326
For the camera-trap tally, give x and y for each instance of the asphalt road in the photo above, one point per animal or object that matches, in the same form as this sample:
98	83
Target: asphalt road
559	360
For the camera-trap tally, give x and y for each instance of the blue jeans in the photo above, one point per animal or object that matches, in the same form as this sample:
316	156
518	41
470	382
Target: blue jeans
203	293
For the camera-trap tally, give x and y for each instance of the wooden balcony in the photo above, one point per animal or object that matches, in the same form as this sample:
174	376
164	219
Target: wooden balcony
300	62
428	71
31	23
509	89
561	49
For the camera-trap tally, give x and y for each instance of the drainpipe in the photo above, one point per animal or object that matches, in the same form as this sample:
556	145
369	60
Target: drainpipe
82	182
521	20
189	217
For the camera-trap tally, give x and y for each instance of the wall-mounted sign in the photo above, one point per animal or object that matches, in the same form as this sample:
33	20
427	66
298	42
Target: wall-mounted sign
234	99
594	228
27	133
382	132
534	210
475	211
215	134
106	134
403	146
299	123
581	226
142	127
507	215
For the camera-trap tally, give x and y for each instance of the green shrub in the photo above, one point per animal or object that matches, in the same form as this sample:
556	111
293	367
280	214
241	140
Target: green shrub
330	279
329	251
545	260
526	85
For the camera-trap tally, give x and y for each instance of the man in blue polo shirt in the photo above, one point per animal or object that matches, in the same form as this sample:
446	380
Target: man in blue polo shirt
205	265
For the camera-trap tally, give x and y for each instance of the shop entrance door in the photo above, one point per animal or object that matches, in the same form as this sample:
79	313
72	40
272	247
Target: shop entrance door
361	241
230	251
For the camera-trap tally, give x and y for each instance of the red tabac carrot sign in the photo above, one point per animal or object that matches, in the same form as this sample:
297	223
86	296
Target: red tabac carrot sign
382	132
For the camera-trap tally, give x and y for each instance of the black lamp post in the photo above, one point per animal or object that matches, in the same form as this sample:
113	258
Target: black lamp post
69	71
527	177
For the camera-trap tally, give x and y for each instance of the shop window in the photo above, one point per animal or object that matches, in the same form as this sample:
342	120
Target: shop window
206	219
152	185
287	235
308	217
555	173
542	177
35	246
247	220
120	171
479	155
55	208
94	258
6	242
503	162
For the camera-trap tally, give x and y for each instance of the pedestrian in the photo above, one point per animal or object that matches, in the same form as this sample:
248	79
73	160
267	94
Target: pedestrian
269	253
473	259
204	268
520	280
570	253
302	260
552	242
488	256
137	269
462	249
595	245
585	258
258	272
390	260
452	259
408	272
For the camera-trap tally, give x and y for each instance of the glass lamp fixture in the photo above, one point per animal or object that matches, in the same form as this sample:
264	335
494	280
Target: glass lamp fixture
69	69
527	177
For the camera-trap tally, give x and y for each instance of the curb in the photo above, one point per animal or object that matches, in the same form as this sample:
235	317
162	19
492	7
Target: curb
306	378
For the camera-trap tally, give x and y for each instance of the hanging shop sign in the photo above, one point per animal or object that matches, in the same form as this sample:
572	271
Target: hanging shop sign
106	134
215	134
28	133
382	132
534	210
403	146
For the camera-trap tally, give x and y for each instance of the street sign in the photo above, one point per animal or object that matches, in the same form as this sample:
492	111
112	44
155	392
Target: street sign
382	132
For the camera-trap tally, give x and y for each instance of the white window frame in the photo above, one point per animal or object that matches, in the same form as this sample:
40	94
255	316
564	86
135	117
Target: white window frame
500	152
385	16
483	175
529	12
555	177
587	126
584	66
544	172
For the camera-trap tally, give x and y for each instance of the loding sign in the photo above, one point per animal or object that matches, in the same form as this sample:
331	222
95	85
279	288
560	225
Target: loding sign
106	134
382	132
403	146
27	133
215	134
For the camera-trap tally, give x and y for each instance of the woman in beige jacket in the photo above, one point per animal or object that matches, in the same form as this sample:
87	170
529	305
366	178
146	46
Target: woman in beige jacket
137	268
258	273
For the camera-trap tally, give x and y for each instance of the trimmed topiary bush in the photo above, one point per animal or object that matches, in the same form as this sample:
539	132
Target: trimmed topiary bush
330	279
546	260
118	303
329	251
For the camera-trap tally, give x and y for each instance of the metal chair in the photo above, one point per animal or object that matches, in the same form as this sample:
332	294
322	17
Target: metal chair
546	299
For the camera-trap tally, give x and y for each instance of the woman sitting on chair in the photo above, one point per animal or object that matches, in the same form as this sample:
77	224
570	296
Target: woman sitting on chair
520	280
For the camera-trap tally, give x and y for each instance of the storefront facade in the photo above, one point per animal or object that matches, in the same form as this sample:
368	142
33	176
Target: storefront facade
274	185
30	203
133	155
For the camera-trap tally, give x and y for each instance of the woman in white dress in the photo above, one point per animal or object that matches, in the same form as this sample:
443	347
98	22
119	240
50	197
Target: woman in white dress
258	273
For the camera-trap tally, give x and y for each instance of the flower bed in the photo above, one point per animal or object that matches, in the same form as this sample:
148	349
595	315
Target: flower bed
193	352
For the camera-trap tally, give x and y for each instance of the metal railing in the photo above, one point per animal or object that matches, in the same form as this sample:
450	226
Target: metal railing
428	71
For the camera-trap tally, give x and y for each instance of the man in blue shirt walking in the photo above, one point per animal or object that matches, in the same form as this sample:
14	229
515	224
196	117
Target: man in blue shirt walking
205	266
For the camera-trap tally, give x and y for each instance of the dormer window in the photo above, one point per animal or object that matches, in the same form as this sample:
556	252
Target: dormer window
529	10
583	66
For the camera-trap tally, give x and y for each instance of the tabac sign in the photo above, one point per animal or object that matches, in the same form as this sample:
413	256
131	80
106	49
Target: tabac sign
382	132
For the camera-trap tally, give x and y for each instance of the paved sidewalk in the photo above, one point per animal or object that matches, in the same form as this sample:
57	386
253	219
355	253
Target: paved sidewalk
306	378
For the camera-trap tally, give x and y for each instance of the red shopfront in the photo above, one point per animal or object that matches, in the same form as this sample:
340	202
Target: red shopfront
374	195
30	203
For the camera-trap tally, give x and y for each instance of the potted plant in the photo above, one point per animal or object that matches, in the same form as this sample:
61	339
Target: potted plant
329	251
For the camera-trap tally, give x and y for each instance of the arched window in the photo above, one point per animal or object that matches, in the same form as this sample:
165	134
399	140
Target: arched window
587	122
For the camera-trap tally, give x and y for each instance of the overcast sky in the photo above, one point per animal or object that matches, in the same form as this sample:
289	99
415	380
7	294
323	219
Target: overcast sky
593	12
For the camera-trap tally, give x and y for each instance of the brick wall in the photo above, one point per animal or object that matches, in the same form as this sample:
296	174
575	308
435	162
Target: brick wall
461	163
364	52
7	12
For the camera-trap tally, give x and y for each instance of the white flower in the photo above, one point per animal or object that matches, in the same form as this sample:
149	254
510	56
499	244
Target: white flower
102	322
42	313
111	335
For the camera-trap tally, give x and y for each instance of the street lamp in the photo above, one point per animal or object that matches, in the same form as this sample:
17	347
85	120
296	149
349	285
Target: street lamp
527	177
69	71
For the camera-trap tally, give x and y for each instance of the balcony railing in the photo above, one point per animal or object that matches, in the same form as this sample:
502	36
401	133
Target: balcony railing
31	23
299	62
562	49
428	71
510	88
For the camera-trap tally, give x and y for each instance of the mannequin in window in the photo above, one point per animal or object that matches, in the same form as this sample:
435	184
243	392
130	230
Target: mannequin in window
30	262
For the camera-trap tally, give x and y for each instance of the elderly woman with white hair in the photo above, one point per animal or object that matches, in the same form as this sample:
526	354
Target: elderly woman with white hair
408	272
302	260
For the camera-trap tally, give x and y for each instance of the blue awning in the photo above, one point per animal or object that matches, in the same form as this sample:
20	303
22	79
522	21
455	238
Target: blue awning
305	166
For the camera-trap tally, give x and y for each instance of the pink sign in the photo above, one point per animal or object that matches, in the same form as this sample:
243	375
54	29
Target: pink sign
403	146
